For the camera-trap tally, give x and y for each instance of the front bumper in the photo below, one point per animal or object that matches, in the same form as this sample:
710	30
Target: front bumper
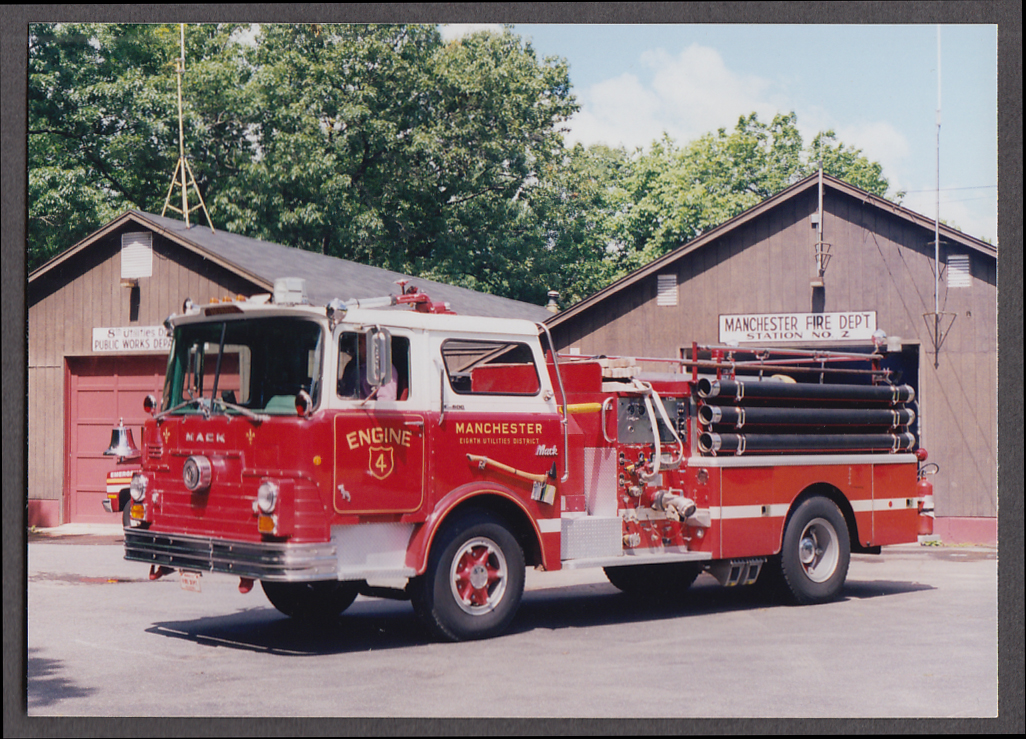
257	560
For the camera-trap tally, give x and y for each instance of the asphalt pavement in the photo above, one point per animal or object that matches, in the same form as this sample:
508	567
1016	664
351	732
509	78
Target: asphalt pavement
914	635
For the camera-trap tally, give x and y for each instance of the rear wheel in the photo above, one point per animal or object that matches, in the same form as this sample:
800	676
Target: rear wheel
654	581
311	600
816	552
474	579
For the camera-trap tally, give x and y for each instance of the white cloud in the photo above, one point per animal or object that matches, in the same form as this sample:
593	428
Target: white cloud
695	92
688	95
618	111
451	31
880	141
700	94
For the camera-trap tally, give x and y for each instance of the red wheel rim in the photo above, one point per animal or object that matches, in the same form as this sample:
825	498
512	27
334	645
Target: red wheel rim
479	575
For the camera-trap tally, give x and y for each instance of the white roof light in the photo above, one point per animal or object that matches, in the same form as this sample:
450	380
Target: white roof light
290	291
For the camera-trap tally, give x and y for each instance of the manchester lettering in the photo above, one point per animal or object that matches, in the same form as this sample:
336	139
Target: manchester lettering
489	428
748	324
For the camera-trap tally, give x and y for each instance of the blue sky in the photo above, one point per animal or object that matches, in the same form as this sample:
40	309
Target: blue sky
874	85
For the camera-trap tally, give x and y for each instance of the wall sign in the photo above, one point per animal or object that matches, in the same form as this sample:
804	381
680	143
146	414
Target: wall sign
758	327
123	339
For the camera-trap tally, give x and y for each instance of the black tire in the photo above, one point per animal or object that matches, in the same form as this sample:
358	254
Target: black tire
474	579
126	514
320	600
816	552
665	582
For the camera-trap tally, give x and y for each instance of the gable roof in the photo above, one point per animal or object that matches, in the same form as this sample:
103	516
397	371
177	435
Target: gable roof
710	236
262	262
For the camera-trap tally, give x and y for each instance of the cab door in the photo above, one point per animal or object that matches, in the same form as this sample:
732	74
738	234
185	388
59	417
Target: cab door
380	461
499	422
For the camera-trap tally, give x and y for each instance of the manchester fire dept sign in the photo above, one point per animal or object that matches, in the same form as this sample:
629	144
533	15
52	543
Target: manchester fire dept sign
741	328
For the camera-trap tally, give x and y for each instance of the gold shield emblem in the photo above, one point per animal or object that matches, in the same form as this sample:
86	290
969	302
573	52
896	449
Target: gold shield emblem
381	461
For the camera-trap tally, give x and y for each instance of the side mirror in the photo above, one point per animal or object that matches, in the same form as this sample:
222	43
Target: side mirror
379	357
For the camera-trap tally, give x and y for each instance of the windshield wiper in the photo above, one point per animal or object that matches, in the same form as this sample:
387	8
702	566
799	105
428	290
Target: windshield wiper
198	402
206	406
256	417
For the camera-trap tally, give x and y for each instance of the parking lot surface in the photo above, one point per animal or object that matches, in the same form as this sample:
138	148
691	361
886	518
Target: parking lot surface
915	635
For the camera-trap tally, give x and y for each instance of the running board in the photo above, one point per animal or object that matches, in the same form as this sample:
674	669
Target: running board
635	559
732	572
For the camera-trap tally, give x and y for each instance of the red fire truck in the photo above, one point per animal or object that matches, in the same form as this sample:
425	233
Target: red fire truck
395	449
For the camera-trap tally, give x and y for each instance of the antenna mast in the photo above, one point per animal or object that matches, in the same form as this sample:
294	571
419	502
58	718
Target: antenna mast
183	169
939	331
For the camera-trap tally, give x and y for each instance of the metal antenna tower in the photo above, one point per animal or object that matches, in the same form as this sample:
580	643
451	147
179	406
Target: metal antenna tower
183	176
938	317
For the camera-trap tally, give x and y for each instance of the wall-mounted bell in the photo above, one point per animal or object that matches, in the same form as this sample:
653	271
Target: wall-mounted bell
122	444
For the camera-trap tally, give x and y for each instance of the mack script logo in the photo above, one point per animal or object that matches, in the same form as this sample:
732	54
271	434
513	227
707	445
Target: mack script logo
209	438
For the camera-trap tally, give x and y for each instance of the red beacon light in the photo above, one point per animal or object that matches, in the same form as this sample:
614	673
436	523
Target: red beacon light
304	404
921	454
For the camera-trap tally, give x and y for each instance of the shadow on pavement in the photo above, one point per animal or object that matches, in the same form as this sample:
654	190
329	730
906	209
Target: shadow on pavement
378	624
47	684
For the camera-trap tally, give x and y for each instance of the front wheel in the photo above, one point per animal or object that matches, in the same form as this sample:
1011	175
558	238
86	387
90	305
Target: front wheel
320	600
474	579
816	552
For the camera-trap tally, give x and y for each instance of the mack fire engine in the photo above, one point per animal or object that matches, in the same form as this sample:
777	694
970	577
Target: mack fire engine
391	448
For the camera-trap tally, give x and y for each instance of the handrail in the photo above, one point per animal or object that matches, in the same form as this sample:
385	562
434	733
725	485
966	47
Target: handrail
562	395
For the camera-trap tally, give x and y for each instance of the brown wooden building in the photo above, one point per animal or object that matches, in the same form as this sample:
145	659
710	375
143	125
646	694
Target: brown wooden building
96	346
756	280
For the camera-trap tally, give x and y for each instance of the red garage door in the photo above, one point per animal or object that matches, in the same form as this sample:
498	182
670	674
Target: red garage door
102	390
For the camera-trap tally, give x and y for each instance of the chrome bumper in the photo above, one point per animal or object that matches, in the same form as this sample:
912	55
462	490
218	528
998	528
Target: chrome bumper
260	561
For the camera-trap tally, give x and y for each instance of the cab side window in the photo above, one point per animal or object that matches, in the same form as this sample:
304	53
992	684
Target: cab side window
490	367
352	369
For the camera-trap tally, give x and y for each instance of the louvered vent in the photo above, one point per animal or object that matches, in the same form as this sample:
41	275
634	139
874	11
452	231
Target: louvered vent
666	286
958	270
136	255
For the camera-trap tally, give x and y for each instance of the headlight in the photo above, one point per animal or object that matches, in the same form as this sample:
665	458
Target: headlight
267	496
138	487
196	474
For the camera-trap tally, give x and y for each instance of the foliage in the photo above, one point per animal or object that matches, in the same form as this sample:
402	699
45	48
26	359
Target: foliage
103	132
677	193
385	145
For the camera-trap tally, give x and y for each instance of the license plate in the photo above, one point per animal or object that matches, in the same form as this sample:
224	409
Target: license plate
190	580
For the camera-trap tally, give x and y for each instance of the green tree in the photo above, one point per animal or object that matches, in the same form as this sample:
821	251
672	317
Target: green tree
676	193
579	206
493	147
103	122
385	145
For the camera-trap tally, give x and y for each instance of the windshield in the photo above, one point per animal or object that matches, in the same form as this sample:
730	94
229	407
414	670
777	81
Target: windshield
259	365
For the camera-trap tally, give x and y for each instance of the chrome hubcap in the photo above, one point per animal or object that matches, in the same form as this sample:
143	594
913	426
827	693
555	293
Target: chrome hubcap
478	576
818	550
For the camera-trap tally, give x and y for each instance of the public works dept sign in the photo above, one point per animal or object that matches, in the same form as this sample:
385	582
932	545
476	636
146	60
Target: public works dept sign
123	339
